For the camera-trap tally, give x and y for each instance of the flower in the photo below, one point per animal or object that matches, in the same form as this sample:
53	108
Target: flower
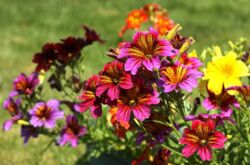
223	101
89	98
137	100
163	24
71	132
69	49
202	137
217	118
161	158
179	76
13	107
224	71
134	20
190	61
120	127
112	78
24	85
45	114
146	49
46	58
28	131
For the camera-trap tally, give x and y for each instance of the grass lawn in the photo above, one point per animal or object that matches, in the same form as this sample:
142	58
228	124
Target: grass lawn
25	25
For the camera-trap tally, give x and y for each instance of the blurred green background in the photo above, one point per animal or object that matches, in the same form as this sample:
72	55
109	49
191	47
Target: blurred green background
25	25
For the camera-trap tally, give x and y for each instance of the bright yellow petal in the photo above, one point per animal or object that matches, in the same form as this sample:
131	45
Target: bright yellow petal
215	86
240	69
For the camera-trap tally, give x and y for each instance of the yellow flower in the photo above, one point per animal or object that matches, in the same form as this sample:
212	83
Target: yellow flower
224	70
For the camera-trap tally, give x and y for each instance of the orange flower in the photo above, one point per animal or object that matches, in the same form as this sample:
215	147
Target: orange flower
163	24
136	18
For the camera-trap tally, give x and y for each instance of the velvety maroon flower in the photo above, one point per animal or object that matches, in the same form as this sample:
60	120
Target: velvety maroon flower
202	137
178	41
28	131
45	114
24	85
112	79
13	107
46	58
137	100
89	98
179	76
217	118
162	157
146	49
91	36
71	132
223	101
69	49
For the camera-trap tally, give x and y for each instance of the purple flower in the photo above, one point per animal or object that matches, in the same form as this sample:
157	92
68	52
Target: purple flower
179	76
25	85
45	114
28	131
222	101
146	49
12	106
71	132
217	118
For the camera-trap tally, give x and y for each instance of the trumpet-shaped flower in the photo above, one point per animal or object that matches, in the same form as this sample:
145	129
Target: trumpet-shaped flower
13	107
28	131
25	85
112	78
71	132
163	24
45	114
202	137
137	100
178	76
223	101
89	98
146	50
224	71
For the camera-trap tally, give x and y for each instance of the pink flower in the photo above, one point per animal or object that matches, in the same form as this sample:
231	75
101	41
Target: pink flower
146	50
179	76
71	132
112	79
192	62
222	101
89	98
137	100
202	137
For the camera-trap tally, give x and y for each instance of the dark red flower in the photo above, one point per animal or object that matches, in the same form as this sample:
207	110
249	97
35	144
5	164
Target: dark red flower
46	58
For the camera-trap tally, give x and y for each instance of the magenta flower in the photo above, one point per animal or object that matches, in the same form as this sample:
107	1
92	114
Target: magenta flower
112	79
89	98
71	132
202	137
28	131
179	76
192	62
13	107
45	114
137	100
24	85
222	101
217	118
146	49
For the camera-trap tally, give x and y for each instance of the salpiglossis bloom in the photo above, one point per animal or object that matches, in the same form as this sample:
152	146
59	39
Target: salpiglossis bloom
179	76
243	90
202	137
28	131
163	24
224	71
71	132
146	49
45	114
25	85
13	107
223	101
89	98
112	79
137	100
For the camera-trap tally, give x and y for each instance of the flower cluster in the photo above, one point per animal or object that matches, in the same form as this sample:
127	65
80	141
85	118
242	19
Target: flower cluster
146	101
153	13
